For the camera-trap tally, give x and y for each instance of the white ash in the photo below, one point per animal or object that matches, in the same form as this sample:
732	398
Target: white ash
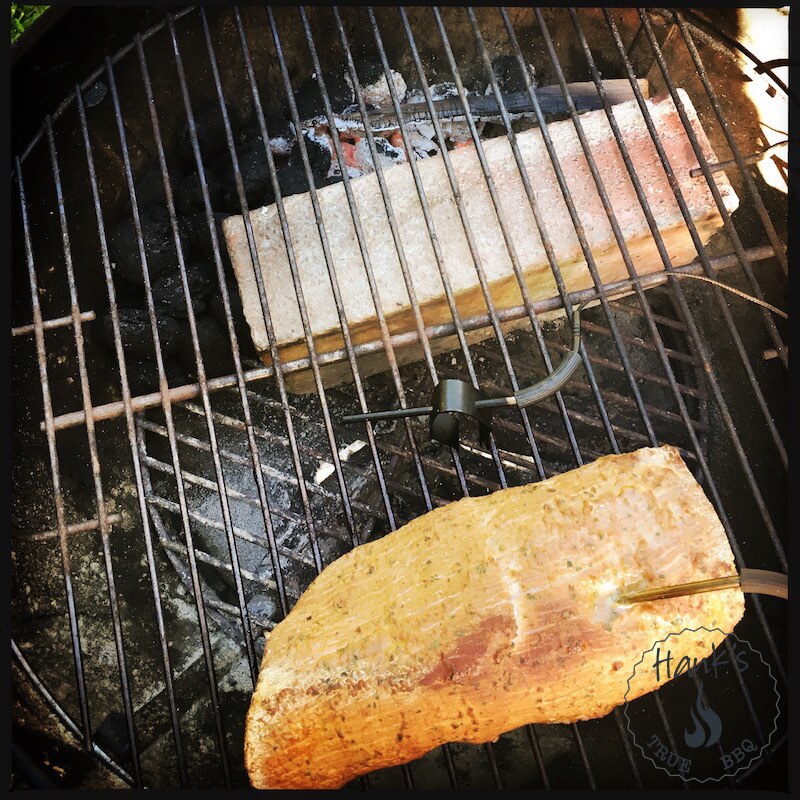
320	137
458	132
421	142
438	91
281	145
326	469
377	94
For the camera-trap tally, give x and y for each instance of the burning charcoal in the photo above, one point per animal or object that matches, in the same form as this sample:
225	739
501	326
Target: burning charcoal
255	177
189	194
292	180
423	145
215	345
309	100
168	289
159	244
198	237
136	332
210	134
358	156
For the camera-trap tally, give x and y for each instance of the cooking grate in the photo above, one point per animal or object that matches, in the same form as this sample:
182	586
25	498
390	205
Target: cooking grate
270	487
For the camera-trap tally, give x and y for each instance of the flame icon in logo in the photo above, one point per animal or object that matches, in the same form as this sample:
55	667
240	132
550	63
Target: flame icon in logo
703	735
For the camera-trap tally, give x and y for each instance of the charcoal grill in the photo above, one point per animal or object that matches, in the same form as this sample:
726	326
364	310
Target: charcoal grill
158	533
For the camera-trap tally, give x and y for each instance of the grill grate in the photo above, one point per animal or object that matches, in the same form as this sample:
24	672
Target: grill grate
226	475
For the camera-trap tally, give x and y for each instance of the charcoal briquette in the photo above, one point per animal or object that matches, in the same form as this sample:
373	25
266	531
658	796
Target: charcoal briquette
137	335
150	188
168	289
309	100
255	174
143	374
215	346
210	134
319	157
159	244
189	191
280	132
198	238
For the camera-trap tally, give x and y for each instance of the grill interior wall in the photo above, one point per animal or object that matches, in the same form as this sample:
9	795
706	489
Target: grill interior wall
211	657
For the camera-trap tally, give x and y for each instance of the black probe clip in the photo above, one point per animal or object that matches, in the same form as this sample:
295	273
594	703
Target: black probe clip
453	398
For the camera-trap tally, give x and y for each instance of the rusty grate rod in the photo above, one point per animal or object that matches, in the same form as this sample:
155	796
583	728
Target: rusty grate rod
753	158
76	527
51	324
192	390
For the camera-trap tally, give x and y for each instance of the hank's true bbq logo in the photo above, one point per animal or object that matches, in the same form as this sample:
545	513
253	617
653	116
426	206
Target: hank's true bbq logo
713	717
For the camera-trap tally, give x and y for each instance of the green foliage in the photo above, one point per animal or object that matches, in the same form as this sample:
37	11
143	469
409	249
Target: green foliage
22	17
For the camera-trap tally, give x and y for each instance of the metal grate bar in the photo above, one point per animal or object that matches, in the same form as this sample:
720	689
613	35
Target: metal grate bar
65	718
58	497
741	162
201	372
726	217
77	527
100	502
694	337
128	411
617	232
258	373
717	293
373	288
167	407
264	506
52	324
688	319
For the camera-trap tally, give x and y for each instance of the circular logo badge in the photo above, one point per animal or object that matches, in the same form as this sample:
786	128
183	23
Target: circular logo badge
713	717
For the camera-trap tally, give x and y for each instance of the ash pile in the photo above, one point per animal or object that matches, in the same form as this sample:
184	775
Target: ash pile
196	241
